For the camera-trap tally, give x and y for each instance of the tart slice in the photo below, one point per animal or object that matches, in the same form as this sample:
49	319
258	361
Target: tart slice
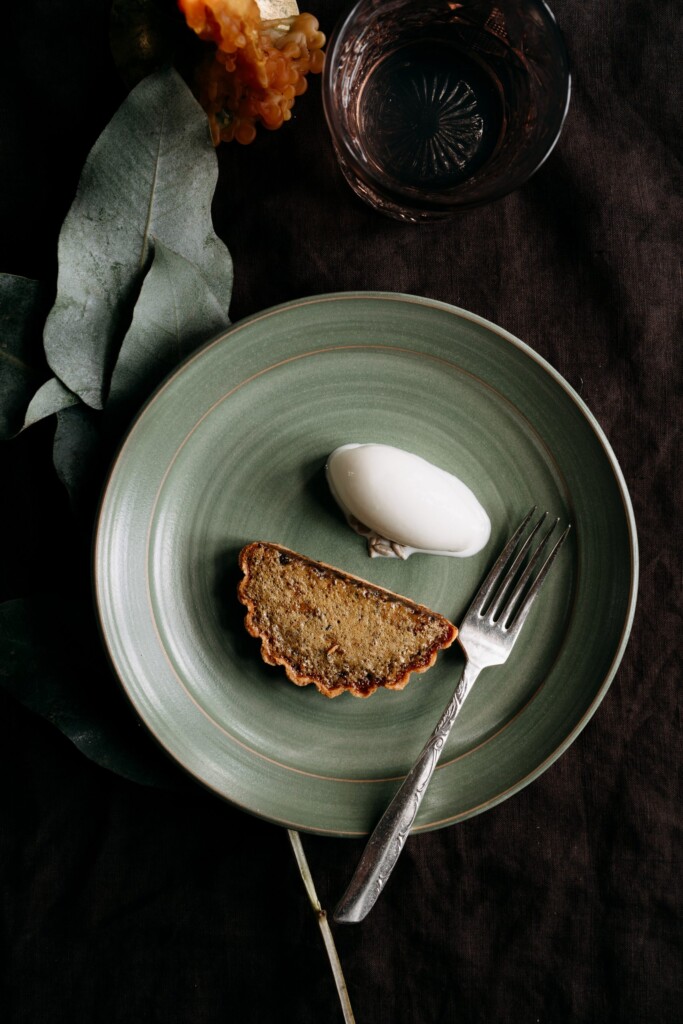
334	630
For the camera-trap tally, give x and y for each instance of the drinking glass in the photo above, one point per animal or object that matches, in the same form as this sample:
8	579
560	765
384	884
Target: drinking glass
437	106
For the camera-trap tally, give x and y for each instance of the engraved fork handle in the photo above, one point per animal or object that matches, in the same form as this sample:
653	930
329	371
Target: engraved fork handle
386	842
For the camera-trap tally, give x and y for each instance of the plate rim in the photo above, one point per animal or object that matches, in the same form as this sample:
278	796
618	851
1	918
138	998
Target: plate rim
505	336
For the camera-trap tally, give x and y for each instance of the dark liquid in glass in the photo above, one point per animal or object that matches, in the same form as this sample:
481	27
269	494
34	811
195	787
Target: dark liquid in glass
430	114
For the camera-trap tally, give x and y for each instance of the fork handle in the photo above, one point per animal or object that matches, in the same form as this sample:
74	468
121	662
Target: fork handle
388	838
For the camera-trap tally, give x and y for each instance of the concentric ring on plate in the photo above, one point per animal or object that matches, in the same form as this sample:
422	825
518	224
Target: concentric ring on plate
232	447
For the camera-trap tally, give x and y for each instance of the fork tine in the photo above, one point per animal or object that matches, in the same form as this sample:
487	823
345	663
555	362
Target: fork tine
520	615
493	612
506	614
491	581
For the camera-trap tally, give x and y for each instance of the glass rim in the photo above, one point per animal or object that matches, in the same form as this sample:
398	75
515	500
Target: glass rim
446	201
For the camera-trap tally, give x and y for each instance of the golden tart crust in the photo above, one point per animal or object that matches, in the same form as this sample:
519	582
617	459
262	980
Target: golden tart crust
333	630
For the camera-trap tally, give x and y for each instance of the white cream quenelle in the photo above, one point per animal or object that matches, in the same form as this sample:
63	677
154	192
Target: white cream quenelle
403	504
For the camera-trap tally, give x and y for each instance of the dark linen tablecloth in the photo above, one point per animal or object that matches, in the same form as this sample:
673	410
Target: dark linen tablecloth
123	902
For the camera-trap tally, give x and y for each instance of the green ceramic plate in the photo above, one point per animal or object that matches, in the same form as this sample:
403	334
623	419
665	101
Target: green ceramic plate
232	448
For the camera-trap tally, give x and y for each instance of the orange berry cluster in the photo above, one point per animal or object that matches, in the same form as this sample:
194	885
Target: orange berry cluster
257	68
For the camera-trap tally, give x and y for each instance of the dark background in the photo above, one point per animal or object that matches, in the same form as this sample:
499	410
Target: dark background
124	902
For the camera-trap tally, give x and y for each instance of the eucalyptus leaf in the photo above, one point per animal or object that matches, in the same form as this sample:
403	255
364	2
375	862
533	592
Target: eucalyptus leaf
77	453
177	310
152	172
51	397
52	662
21	358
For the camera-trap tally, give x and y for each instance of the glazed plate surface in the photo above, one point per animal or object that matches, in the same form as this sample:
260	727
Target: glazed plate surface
232	448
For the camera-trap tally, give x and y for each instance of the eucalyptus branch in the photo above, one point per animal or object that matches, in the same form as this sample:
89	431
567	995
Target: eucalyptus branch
323	924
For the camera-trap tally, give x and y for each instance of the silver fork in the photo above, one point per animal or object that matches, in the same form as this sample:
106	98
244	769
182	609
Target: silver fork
487	635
